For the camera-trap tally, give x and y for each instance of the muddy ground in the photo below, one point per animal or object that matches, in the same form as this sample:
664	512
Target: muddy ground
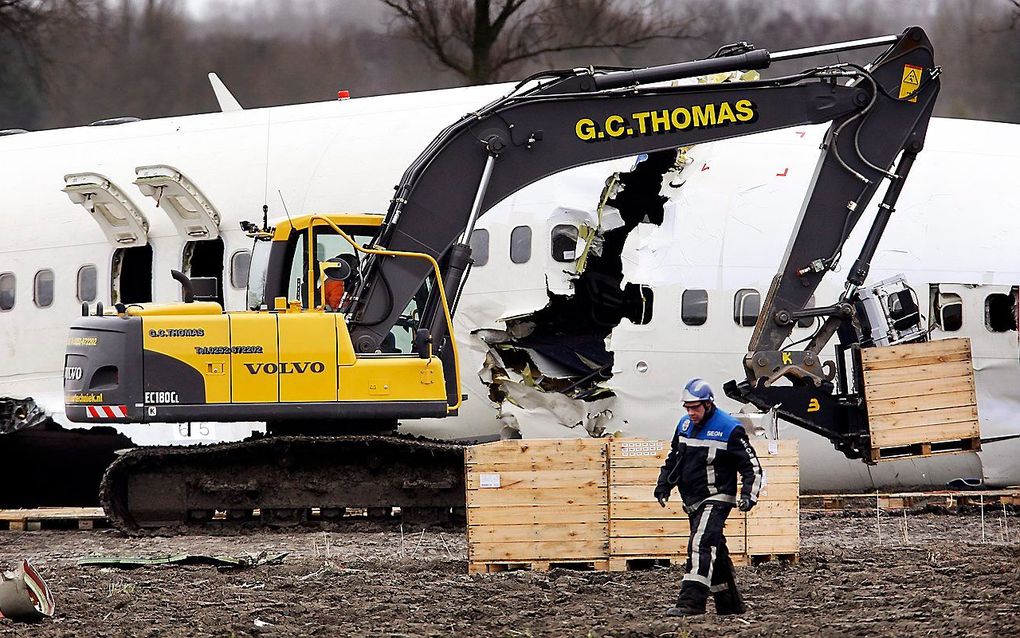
941	580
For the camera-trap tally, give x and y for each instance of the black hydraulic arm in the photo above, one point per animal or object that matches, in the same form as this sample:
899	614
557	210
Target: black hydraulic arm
589	116
859	156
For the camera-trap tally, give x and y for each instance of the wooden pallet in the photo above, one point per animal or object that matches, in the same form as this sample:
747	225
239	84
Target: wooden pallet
790	559
920	399
637	563
927	448
536	503
641	530
538	566
948	499
51	518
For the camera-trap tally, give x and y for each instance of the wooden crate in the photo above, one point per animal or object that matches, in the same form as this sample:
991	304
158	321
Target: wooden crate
641	531
920	399
538	504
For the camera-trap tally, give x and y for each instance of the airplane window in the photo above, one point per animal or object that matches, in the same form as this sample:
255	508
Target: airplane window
87	283
7	290
1000	312
43	293
480	246
564	242
694	307
948	310
520	244
239	265
746	306
640	302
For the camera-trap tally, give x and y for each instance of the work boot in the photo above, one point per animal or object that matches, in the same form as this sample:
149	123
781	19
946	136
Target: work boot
729	602
691	601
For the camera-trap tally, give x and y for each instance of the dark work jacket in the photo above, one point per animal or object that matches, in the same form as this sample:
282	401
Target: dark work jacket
704	462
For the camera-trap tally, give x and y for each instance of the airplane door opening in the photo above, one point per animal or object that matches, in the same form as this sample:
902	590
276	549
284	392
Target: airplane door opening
205	259
131	275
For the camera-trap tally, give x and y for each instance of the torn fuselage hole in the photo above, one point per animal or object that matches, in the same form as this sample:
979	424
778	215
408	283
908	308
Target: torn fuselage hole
17	414
561	348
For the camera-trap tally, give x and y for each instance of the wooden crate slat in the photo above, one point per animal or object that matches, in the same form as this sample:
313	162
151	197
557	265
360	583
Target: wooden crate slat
903	405
930	359
543	450
636	462
647	476
649	509
651	546
537	532
924	434
589	495
541	465
547	514
912	354
908	350
924	417
539	550
650	527
922	388
519	479
918	373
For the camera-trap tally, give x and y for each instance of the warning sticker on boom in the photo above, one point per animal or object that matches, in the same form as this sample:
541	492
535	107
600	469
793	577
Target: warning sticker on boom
911	81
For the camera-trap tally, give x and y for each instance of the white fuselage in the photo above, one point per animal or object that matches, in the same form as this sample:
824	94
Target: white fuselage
727	222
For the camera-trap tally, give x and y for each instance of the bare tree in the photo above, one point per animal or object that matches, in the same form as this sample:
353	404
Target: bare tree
23	23
484	40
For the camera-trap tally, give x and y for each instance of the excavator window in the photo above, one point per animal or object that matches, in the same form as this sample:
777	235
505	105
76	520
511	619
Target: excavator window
257	268
328	246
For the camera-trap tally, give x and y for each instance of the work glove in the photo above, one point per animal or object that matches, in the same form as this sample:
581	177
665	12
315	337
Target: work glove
662	494
745	504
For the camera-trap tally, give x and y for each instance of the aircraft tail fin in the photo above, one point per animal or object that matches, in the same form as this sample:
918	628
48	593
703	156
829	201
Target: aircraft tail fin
225	98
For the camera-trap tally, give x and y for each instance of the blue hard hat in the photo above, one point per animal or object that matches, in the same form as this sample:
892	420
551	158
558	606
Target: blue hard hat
697	390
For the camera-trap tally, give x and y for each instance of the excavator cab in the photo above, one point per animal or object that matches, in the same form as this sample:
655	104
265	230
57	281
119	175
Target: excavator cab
289	357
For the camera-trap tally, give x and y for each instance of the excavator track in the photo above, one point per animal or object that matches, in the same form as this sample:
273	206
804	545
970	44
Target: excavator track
284	481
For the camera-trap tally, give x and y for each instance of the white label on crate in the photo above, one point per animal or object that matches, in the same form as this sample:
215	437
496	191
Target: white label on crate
488	480
773	446
640	448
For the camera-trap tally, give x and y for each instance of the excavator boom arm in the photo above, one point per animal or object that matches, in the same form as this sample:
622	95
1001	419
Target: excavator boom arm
588	116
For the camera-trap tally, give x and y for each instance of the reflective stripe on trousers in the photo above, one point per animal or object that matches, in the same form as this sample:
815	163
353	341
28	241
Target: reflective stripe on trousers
708	560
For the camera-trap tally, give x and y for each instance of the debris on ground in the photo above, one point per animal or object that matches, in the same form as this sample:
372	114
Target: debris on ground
236	562
24	597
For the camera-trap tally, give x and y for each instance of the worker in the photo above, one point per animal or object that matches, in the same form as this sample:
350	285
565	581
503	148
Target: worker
709	449
336	271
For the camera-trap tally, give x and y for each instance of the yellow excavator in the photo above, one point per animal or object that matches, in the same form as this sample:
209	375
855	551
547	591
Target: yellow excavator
348	326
